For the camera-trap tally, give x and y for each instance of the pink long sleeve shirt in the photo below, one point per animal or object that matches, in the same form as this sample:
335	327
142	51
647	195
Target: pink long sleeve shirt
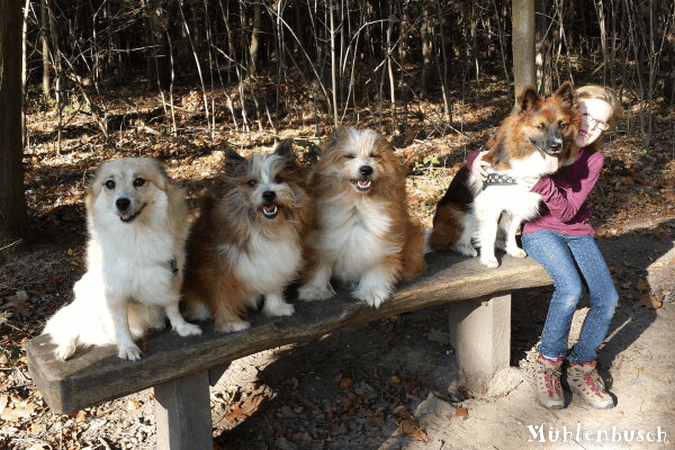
564	193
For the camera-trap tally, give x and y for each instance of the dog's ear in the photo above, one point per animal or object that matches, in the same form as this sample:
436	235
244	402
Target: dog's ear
528	98
160	178
233	160
285	149
566	93
94	186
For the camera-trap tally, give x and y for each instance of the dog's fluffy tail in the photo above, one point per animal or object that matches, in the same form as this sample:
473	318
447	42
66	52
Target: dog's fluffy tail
415	246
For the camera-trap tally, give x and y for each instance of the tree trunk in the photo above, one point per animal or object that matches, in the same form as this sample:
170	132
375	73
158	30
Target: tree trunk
254	48
44	39
12	199
523	44
158	64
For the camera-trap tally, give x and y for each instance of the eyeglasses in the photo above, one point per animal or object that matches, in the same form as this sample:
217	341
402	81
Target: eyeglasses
594	123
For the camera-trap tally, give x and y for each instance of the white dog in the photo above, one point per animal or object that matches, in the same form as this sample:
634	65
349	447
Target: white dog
137	223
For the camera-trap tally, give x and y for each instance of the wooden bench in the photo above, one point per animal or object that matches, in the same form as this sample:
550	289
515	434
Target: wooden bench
181	370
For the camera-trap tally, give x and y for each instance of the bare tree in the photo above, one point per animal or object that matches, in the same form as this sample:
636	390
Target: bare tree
12	198
523	44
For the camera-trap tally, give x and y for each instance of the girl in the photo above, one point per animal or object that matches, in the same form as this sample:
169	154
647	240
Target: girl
561	239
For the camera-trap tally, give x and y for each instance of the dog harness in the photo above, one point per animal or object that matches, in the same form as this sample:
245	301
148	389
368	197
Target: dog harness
499	179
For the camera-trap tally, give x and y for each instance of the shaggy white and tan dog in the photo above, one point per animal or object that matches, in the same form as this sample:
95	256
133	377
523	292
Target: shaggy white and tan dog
137	224
363	232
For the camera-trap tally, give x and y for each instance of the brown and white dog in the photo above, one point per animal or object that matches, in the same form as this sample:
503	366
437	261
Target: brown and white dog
530	143
137	223
248	241
363	232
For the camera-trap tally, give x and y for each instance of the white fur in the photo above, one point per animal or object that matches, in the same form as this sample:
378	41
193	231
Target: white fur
128	287
516	202
351	245
266	268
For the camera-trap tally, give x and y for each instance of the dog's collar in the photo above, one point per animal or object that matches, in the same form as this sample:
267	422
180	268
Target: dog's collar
174	266
499	179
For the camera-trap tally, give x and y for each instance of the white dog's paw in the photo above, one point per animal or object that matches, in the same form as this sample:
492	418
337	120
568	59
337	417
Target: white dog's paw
373	297
65	351
187	329
312	292
516	252
231	327
489	262
467	250
278	308
132	352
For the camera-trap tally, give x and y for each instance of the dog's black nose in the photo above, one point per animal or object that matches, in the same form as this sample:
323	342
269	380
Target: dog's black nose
555	147
366	171
269	196
123	203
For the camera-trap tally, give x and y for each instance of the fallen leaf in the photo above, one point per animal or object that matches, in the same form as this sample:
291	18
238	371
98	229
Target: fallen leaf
649	301
642	285
287	411
133	405
17	411
414	429
340	428
300	436
346	383
465	391
34	428
376	420
401	412
461	412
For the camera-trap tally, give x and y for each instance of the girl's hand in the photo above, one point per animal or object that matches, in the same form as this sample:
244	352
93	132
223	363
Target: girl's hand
479	167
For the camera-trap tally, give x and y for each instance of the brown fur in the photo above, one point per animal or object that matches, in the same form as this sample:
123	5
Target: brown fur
532	127
529	125
333	184
229	219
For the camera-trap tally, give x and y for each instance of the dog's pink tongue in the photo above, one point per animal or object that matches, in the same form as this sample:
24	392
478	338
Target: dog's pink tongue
125	216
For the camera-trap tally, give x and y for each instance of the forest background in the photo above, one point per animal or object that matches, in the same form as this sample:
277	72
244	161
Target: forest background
181	80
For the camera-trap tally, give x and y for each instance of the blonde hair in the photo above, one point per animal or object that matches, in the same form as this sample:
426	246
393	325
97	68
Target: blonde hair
594	91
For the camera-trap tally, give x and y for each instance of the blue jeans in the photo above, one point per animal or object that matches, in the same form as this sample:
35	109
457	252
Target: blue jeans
567	259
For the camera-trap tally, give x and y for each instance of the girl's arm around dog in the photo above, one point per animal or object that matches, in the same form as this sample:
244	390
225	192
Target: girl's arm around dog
565	192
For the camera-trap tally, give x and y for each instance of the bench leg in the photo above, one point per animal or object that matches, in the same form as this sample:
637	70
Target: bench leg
183	412
480	333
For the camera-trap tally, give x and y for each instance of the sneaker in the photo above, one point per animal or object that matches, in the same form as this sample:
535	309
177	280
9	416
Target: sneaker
585	381
549	390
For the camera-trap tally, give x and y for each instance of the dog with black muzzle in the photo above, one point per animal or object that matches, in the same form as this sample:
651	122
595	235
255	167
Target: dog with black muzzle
249	239
137	223
533	141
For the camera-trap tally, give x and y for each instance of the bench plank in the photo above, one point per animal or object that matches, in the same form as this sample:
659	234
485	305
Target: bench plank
95	375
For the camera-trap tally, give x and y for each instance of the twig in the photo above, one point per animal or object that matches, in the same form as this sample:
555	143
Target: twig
11	245
104	443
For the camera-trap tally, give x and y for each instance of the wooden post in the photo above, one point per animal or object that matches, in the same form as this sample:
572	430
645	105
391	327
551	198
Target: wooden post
183	413
480	333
